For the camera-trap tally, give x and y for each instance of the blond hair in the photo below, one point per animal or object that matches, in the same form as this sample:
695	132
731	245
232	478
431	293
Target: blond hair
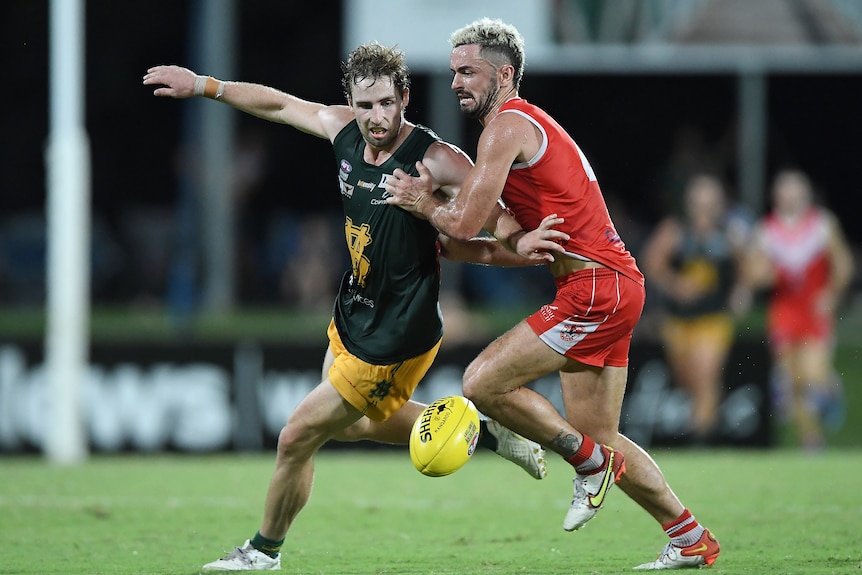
499	43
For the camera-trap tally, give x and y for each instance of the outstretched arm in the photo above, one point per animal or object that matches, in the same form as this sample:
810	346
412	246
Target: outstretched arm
255	99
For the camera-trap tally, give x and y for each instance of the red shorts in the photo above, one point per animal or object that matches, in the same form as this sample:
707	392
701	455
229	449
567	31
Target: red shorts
592	317
792	322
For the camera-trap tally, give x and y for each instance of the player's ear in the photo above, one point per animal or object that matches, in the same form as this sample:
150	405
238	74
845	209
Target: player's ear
506	74
405	98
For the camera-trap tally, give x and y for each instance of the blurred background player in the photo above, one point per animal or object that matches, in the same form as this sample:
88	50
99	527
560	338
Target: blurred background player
801	256
694	261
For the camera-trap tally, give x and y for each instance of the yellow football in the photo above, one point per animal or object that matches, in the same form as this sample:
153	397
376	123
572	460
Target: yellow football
444	436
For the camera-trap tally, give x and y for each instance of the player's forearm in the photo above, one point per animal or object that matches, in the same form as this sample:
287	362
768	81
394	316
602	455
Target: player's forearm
448	217
481	250
255	99
503	226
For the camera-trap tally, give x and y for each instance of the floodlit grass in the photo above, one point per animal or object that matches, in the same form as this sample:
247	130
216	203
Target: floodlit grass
775	512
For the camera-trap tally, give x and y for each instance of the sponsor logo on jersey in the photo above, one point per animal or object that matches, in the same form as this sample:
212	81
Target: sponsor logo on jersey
383	179
366	185
363	300
346	189
547	312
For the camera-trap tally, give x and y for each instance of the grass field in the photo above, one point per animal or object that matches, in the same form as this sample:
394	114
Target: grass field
775	512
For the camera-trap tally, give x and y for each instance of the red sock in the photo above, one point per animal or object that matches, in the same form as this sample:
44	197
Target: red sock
589	457
684	530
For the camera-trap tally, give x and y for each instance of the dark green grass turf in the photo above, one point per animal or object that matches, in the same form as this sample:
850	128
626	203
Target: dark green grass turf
775	512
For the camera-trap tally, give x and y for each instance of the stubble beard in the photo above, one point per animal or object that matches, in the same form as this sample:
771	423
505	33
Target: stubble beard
481	109
391	135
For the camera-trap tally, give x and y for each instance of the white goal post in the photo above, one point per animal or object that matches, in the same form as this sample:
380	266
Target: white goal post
68	223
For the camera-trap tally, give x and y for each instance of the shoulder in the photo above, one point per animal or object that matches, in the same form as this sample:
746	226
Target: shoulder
334	119
446	152
511	120
447	163
508	137
519	110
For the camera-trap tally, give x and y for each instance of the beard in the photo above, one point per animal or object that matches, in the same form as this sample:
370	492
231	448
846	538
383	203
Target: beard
391	134
483	106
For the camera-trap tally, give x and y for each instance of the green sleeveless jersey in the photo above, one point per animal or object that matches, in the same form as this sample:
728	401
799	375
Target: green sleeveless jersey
387	309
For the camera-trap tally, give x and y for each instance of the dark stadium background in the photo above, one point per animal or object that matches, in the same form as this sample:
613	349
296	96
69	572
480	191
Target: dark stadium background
626	124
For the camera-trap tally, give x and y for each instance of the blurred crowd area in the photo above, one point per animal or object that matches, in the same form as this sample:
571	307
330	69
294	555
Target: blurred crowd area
289	252
293	256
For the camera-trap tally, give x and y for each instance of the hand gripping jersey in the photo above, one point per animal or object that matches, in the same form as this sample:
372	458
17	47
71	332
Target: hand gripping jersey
387	307
560	180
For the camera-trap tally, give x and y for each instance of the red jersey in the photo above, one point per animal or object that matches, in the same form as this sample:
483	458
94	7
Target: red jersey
799	252
559	180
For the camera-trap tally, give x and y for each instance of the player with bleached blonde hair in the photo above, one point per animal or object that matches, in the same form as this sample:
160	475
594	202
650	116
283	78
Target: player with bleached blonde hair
528	160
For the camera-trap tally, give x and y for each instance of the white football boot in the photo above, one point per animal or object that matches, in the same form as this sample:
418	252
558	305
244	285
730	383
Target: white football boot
701	554
528	455
590	490
245	558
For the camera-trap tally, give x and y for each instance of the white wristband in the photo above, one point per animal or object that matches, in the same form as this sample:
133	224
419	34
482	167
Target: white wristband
200	84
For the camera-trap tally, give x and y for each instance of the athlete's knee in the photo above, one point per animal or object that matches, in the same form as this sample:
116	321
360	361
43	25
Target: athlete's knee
474	387
296	441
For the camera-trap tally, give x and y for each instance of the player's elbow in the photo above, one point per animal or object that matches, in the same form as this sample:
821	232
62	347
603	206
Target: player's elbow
463	231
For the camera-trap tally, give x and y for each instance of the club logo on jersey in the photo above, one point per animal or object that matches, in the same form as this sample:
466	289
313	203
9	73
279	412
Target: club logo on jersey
358	238
572	333
381	390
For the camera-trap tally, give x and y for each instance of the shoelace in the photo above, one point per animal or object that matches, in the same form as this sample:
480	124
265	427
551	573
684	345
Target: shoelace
241	554
664	556
580	488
